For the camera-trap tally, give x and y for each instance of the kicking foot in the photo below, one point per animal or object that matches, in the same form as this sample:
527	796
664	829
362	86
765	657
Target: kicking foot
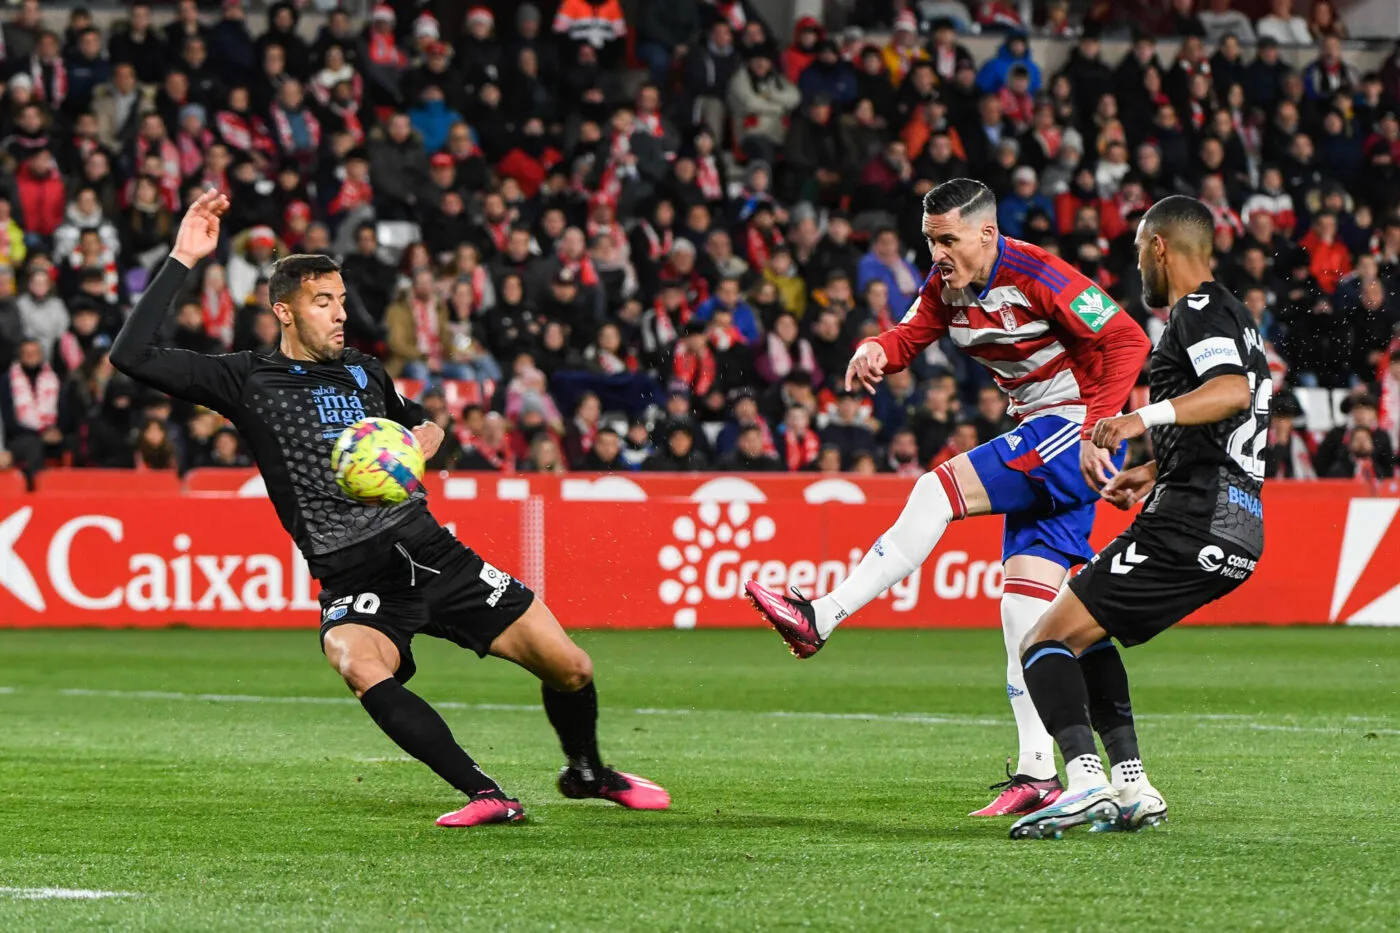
1021	793
489	807
792	617
1140	806
627	790
1097	805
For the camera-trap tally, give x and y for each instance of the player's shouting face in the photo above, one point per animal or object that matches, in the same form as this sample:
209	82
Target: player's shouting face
313	317
964	248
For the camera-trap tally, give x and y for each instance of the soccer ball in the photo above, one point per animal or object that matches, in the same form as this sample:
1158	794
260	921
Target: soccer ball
377	461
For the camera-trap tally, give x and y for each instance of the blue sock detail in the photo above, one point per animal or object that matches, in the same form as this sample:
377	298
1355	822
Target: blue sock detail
1046	651
1097	646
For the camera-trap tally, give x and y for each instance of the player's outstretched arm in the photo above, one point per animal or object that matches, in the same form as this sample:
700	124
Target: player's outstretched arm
205	380
1212	401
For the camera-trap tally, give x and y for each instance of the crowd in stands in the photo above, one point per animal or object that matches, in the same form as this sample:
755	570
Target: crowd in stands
597	240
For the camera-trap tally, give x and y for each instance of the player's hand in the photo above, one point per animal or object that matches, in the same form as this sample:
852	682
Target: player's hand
867	366
1096	464
1110	432
1130	487
429	437
198	235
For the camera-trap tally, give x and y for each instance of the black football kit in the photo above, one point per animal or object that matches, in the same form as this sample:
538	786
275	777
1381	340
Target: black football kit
393	568
1202	530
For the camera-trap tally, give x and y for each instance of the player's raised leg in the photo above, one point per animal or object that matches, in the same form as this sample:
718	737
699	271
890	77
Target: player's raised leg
1057	687
367	660
950	492
537	642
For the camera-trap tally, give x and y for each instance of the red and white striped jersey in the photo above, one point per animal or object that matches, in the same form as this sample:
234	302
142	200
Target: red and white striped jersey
1052	339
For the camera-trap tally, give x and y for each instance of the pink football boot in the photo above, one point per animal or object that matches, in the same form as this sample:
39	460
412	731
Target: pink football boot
792	617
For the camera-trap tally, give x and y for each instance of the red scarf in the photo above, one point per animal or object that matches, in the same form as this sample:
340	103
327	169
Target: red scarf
732	12
614	232
244	133
696	371
284	129
383	51
59	93
761	246
587	434
499	233
800	451
192	150
218	314
666	329
36	403
350	116
425	322
707	177
71	350
658	247
583	270
351	194
611	364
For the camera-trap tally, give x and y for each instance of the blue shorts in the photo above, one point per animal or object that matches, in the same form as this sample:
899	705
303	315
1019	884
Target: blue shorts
1032	477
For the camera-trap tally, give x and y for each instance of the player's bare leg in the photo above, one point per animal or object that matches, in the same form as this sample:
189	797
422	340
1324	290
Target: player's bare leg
1029	586
537	642
950	492
367	660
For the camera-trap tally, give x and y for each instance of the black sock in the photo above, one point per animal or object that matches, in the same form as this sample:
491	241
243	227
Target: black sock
575	717
1056	687
417	728
1110	706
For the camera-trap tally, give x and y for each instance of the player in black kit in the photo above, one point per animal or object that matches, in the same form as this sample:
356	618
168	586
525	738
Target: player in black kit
386	573
1197	539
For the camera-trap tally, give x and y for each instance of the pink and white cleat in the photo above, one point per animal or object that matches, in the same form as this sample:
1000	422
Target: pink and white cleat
627	790
490	807
1020	794
792	617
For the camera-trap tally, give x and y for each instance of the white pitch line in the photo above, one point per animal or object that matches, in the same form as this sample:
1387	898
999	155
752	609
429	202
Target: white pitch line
60	894
1208	720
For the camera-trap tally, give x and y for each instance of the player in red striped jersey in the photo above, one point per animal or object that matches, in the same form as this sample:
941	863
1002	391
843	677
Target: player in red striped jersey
1066	355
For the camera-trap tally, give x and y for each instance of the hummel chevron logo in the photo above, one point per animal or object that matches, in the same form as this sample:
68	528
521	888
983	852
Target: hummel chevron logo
1125	561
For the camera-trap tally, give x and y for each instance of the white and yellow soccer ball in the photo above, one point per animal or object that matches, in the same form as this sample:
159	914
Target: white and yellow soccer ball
378	462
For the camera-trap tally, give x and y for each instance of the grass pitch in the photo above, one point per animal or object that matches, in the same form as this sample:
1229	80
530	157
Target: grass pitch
225	781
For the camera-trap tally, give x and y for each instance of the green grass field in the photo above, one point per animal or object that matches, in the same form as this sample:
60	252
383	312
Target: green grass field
197	773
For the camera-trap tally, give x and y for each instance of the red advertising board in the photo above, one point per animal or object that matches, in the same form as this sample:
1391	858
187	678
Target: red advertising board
629	551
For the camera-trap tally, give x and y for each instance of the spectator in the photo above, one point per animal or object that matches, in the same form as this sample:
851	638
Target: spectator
884	264
605	456
798	443
665	33
1357	449
727	296
1014	51
29	400
1282	26
1287	456
41	193
42	314
708	76
678	454
1221	21
1330	257
785	349
750	453
902	457
1013	211
1329	75
418	333
636	445
848	430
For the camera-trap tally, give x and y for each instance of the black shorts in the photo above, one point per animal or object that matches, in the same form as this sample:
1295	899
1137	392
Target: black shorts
424	581
1149	578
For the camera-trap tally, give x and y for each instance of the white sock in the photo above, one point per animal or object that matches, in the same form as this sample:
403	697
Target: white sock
1083	772
894	555
1128	772
1019	614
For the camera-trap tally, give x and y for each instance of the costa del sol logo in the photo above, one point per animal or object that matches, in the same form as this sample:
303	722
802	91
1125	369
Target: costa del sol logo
732	528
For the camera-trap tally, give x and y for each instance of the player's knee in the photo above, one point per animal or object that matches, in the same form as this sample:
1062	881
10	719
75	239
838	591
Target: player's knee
575	674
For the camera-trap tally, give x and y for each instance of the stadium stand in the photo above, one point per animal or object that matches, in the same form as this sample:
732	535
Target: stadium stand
670	221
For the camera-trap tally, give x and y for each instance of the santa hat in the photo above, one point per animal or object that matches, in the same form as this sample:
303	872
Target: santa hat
906	22
262	235
426	27
480	14
383	13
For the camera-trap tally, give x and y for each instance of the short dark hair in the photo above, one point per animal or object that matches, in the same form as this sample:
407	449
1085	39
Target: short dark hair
960	194
1184	222
290	271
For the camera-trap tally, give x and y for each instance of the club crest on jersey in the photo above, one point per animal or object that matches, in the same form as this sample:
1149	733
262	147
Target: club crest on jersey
1008	318
361	377
1093	307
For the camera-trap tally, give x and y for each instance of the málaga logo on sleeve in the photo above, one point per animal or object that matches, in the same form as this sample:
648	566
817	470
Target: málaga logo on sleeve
1093	307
